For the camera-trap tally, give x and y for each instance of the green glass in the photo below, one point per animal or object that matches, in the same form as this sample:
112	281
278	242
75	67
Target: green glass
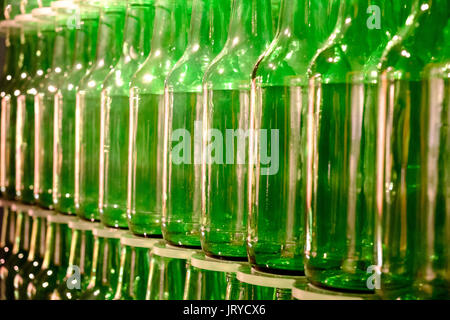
88	109
145	156
7	235
27	38
64	125
79	267
105	265
207	278
44	102
11	8
40	64
167	276
181	206
257	285
412	221
340	139
226	95
134	267
19	252
56	258
32	266
115	107
276	10
26	6
11	72
277	214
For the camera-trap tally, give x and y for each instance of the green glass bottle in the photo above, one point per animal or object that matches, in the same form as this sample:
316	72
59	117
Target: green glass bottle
27	38
146	114
64	125
226	96
167	276
115	107
412	225
105	265
181	201
44	102
339	181
54	266
134	267
277	214
19	252
8	33
208	278
12	68
40	63
31	268
303	290
80	261
87	117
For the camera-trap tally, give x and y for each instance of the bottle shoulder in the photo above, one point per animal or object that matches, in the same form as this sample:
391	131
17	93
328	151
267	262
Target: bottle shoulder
233	67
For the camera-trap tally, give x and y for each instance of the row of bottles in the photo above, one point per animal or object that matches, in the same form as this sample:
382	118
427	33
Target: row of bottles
305	137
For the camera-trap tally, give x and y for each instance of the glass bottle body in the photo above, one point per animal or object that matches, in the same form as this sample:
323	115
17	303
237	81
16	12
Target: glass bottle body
341	136
88	110
41	56
65	101
182	160
226	111
11	74
146	136
413	106
277	213
115	108
9	110
55	262
44	111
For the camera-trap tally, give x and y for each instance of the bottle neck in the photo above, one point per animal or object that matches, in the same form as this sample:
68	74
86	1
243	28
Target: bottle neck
209	25
86	42
63	48
105	263
37	239
81	249
22	233
137	32
170	28
250	24
110	36
55	245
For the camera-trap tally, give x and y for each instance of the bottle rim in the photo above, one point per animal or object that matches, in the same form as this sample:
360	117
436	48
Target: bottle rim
257	278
